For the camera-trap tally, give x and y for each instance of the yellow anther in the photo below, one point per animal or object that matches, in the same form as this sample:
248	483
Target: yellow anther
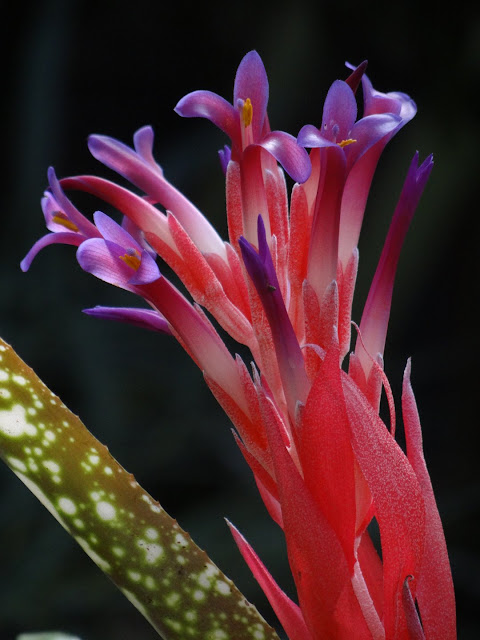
247	112
61	218
132	259
345	143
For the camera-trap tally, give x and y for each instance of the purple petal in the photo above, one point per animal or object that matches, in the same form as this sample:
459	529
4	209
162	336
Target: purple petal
206	104
102	259
368	131
394	102
143	143
73	214
293	158
259	267
60	237
311	138
147	272
376	313
138	235
113	232
117	156
261	270
117	236
50	209
339	112
143	318
225	155
251	82
126	162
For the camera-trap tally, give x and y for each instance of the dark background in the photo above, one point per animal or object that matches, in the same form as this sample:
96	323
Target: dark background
78	67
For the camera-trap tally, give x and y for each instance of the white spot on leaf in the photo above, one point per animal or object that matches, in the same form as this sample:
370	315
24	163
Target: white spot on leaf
17	464
222	587
13	423
151	533
51	466
67	506
152	551
106	511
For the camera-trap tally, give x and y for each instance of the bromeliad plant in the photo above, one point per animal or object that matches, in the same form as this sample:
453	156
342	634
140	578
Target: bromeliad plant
307	424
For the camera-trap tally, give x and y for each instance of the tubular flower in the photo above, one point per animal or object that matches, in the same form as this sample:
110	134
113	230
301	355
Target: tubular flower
325	463
255	149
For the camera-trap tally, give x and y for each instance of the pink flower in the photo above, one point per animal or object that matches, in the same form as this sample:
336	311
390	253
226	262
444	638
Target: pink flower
324	462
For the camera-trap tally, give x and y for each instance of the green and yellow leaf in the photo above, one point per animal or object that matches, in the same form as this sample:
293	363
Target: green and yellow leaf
172	582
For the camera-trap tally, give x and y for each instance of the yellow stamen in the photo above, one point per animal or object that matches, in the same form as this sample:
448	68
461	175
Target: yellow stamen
247	112
345	143
132	259
61	218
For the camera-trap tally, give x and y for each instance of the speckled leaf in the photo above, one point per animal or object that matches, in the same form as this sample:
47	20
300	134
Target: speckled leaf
127	534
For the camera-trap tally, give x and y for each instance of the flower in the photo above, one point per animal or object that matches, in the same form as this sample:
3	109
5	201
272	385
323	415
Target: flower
254	147
324	462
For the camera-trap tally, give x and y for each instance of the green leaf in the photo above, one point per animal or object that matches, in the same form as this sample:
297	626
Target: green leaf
172	582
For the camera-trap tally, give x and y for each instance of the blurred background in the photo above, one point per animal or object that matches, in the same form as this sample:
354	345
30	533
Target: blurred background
81	66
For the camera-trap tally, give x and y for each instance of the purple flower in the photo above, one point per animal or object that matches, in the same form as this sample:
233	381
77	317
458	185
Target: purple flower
245	121
116	257
66	224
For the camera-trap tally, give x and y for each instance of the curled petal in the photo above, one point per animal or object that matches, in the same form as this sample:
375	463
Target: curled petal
66	237
143	318
293	158
312	138
394	102
209	105
368	131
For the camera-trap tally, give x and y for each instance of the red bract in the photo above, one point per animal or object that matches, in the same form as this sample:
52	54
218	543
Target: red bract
325	464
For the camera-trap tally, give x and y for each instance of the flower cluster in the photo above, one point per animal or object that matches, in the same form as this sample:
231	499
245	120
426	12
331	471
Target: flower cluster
308	426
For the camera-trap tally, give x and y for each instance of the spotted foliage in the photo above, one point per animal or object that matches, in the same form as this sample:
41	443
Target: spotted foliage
125	531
